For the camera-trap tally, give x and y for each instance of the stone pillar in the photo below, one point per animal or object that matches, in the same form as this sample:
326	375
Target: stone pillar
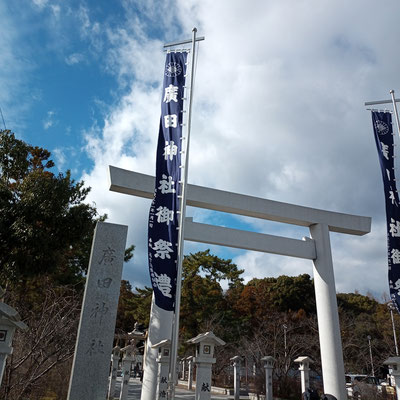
236	376
327	313
183	364
114	369
304	368
205	343
394	364
164	349
268	366
9	321
99	311
127	360
190	372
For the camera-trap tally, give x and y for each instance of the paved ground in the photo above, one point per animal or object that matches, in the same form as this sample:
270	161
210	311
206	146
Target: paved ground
135	388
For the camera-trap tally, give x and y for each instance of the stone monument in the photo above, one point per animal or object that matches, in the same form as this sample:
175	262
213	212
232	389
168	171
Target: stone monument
91	365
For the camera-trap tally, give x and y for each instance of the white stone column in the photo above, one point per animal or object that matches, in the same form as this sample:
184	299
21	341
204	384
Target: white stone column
394	364
114	369
164	349
126	370
327	312
304	368
268	366
190	372
236	376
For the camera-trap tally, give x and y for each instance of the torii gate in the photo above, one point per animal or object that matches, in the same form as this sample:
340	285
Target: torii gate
317	248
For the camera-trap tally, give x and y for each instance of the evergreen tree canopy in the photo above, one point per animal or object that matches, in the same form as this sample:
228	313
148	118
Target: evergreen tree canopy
45	226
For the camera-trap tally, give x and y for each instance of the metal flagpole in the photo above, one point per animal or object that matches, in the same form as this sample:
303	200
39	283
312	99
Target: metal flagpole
395	111
175	326
391	307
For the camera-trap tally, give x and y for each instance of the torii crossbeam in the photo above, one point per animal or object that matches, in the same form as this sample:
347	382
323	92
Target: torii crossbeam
316	248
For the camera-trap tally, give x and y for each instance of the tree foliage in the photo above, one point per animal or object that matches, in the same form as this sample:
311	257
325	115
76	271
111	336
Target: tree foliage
46	231
45	226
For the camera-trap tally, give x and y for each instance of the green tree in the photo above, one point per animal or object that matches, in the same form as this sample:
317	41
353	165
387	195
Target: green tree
203	304
46	231
292	293
45	226
133	307
212	267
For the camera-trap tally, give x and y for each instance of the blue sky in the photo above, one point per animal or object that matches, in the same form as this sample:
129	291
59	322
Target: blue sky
278	108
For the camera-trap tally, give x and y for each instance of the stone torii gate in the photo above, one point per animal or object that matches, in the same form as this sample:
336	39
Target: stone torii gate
317	248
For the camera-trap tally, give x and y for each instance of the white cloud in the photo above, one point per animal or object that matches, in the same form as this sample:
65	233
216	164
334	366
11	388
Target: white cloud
278	113
40	3
49	121
74	58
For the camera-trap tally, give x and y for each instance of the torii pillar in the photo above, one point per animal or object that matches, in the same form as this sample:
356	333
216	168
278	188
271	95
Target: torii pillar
317	248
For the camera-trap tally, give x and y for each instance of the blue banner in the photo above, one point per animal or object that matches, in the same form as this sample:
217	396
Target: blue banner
383	130
164	210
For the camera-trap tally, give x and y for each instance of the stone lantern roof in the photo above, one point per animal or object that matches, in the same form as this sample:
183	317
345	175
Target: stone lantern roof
303	359
209	337
10	315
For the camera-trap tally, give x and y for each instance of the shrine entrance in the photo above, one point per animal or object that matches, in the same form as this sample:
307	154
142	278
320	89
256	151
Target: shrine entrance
317	248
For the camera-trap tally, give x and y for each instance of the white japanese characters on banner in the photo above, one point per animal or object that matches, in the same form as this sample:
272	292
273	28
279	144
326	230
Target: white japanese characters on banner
163	217
382	123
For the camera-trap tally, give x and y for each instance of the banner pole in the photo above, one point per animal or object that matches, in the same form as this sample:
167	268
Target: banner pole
395	111
175	325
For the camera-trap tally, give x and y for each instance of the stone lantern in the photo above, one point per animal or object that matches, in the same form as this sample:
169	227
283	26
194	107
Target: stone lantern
394	364
164	351
9	321
205	345
304	368
268	366
127	359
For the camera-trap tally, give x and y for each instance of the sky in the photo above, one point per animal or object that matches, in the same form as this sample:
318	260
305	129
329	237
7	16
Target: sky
278	110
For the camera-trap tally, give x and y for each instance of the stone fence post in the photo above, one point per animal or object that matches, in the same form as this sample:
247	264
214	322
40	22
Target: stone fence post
236	376
114	369
190	372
